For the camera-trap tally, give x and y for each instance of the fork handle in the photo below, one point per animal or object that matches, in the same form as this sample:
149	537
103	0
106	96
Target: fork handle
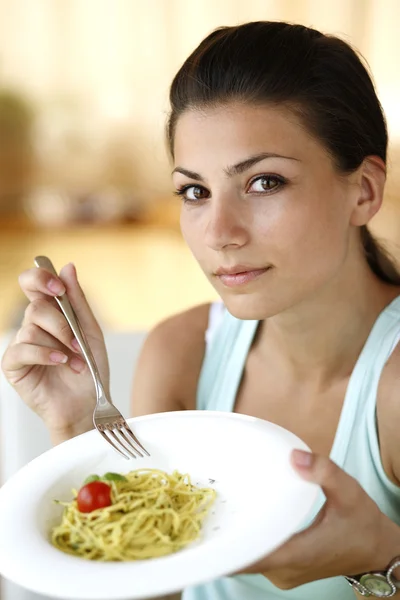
45	263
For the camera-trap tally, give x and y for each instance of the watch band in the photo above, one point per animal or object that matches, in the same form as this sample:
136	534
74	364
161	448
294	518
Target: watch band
357	586
391	583
389	574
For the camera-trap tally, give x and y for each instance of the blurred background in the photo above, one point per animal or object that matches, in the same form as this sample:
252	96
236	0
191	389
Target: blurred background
84	172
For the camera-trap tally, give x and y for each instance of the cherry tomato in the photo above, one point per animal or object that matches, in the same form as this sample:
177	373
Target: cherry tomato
93	495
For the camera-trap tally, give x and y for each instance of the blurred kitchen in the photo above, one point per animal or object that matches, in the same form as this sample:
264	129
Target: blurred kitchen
84	171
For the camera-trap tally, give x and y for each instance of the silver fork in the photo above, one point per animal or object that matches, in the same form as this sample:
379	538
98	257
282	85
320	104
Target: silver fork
106	417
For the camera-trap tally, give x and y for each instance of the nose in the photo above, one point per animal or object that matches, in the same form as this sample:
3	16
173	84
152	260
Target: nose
226	223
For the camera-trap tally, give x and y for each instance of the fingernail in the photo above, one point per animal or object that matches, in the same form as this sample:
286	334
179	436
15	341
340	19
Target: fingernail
58	357
75	345
56	287
302	459
76	364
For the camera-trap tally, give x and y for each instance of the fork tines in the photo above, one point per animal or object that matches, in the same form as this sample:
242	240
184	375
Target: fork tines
116	434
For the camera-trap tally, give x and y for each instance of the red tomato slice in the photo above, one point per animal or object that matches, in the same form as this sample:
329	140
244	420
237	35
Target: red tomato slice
94	495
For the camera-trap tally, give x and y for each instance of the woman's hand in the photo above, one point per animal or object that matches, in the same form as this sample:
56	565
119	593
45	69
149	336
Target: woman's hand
44	364
350	535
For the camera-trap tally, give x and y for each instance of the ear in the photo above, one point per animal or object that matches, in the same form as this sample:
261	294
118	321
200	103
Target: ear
372	178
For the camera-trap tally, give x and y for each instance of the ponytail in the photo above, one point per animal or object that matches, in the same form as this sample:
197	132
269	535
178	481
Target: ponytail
379	260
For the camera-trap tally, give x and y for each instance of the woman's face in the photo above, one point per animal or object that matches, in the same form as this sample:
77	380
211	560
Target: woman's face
264	211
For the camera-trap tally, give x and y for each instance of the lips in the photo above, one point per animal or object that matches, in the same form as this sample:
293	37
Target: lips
239	275
238	269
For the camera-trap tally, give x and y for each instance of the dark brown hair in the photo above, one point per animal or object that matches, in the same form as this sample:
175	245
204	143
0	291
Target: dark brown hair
320	77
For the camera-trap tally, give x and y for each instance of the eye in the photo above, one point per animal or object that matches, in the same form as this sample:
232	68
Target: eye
266	184
192	193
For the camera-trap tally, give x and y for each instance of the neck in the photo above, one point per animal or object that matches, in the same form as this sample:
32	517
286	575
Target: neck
321	338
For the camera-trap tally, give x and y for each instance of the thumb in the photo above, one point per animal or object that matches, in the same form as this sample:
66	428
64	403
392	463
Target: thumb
78	300
339	488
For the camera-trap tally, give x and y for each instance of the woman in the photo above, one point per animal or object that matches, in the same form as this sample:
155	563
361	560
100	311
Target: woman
279	148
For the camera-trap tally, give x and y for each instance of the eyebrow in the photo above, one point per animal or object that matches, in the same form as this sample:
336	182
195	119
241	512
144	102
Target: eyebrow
237	169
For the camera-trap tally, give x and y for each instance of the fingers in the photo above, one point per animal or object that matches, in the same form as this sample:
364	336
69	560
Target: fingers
33	334
43	316
20	358
340	488
39	283
78	300
32	346
45	337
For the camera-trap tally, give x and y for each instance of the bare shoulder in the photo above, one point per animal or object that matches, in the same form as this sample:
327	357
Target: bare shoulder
388	411
170	362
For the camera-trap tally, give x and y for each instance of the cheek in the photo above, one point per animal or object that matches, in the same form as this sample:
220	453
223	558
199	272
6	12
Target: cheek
192	233
307	234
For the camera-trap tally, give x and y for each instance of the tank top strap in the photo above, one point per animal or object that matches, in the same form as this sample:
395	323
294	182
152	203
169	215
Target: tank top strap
224	362
361	394
386	343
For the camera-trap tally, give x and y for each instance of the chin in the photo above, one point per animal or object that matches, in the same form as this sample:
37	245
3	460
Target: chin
252	307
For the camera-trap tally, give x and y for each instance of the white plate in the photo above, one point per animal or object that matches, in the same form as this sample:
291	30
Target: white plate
261	502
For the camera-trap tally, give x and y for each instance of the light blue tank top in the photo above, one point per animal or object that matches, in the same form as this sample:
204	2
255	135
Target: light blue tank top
355	448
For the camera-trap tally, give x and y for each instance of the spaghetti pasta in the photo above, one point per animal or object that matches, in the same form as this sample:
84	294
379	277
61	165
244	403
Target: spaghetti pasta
151	514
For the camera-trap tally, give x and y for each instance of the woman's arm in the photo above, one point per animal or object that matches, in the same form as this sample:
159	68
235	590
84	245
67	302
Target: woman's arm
388	412
169	365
